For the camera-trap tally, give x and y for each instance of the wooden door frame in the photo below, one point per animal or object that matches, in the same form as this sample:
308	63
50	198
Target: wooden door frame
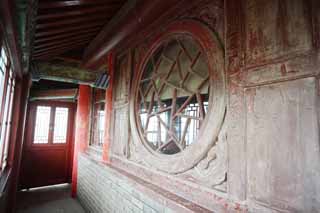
30	128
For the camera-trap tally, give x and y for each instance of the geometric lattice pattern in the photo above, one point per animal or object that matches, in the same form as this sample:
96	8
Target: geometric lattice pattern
173	95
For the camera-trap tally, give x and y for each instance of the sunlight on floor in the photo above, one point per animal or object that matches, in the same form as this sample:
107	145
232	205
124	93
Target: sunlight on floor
51	199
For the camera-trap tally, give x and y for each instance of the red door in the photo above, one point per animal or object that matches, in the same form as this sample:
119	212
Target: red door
48	146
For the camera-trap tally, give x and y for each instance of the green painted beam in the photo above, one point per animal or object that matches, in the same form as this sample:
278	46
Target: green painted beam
63	71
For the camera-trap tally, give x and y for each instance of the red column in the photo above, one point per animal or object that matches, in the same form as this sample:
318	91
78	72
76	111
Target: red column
19	117
108	111
81	131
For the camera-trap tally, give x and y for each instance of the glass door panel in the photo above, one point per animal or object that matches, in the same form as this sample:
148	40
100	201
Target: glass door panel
42	125
60	125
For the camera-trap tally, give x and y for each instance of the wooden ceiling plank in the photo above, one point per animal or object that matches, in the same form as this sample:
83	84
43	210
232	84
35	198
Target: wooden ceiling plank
54	31
64	36
59	4
61	42
74	21
79	12
51	53
71	45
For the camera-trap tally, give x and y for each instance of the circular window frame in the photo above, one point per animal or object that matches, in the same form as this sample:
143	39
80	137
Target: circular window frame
208	133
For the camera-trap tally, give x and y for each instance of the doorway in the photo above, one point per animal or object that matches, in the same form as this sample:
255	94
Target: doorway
48	147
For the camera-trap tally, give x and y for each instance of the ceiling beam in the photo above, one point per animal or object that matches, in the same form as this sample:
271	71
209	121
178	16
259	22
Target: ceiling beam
68	59
74	21
63	71
135	16
59	4
50	54
66	47
53	94
64	36
78	12
68	29
62	42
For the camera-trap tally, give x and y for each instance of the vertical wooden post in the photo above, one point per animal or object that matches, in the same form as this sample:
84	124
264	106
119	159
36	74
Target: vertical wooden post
108	110
81	131
20	109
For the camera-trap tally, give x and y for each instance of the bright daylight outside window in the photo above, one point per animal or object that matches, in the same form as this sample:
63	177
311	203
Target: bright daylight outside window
173	95
97	112
7	85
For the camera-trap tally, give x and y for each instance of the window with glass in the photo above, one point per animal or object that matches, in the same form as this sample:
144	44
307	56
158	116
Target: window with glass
7	85
98	117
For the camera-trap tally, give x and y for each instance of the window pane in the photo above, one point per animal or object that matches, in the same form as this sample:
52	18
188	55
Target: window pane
4	125
8	128
1	87
101	127
98	124
41	132
60	125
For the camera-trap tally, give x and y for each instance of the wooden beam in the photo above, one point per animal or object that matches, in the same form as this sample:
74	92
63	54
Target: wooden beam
67	34
58	49
78	12
74	21
55	31
51	53
53	94
134	17
64	36
67	46
61	42
59	4
64	70
69	59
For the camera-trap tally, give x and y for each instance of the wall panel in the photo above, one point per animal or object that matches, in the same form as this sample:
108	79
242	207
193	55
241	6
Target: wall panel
283	145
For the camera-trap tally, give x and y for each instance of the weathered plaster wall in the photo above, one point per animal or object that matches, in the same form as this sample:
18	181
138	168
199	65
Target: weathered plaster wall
270	136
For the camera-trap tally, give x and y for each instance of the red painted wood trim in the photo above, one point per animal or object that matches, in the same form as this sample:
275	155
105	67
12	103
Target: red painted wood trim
25	88
108	110
81	131
15	120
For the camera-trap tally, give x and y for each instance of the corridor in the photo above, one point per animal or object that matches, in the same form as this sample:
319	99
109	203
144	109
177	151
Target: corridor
159	106
51	199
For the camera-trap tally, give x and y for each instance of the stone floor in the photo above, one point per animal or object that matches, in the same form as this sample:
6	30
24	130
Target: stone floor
51	199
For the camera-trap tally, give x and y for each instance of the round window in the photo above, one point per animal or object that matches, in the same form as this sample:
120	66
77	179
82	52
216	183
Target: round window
178	98
173	97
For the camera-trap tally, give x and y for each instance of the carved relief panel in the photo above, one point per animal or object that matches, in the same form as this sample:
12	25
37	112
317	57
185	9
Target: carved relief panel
121	130
122	78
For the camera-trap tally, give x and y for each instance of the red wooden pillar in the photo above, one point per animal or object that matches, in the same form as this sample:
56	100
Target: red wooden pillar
81	131
19	117
108	110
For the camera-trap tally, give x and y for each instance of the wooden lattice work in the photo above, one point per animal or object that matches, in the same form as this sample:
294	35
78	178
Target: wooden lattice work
173	94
